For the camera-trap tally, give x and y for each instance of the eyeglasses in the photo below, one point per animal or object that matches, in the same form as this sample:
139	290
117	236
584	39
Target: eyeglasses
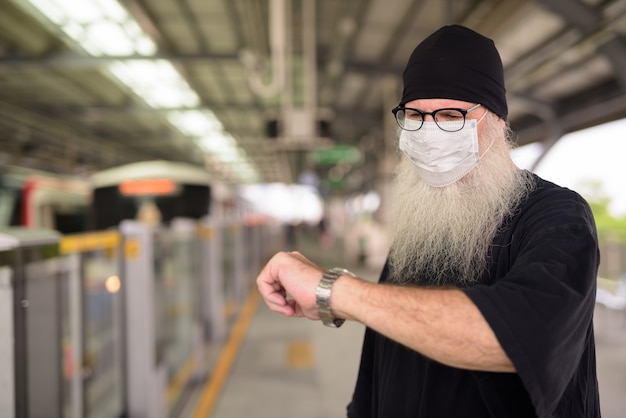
447	119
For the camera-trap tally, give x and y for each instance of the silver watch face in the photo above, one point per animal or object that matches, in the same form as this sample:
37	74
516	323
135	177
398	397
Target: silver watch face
322	296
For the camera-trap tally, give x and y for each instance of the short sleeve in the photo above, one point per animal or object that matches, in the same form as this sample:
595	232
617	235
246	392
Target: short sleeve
541	310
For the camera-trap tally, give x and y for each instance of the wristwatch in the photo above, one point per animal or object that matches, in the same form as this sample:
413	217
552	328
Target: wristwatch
322	296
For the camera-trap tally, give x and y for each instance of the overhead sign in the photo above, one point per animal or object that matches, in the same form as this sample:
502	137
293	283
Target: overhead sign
337	154
147	187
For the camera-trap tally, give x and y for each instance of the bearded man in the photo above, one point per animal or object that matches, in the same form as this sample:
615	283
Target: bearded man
485	305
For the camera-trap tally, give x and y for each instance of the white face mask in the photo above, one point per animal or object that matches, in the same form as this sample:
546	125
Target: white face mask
442	157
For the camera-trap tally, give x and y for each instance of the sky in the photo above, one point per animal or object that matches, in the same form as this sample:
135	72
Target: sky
594	154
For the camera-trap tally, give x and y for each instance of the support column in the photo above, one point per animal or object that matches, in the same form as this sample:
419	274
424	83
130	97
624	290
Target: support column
389	160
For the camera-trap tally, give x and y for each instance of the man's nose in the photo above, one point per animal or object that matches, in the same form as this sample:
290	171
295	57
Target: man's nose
428	117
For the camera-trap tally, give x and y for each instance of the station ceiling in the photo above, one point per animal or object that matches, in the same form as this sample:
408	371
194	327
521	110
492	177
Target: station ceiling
291	100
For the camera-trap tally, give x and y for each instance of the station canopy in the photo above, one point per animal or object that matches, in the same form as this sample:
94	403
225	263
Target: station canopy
259	91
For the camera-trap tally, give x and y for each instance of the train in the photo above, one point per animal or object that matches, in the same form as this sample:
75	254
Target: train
32	198
151	191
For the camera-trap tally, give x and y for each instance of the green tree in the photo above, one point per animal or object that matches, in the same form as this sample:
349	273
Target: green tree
610	227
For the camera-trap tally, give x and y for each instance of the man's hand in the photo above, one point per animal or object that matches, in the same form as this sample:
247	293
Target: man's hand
288	282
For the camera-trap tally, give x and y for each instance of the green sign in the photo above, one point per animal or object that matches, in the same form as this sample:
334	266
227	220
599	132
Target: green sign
337	154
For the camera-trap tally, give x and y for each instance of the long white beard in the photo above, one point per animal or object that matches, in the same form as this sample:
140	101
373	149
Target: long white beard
443	234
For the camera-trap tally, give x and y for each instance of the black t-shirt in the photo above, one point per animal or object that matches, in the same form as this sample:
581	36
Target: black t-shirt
538	297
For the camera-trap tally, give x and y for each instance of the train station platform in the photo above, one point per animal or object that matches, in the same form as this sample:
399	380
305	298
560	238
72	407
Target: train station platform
278	367
273	366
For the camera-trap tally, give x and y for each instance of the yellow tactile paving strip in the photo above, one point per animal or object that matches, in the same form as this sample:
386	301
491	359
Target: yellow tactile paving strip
214	385
300	355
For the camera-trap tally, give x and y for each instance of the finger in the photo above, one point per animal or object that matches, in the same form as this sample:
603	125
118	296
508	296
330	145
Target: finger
272	296
295	308
275	298
285	309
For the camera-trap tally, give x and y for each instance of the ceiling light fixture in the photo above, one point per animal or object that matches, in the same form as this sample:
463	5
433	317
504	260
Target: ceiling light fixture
105	28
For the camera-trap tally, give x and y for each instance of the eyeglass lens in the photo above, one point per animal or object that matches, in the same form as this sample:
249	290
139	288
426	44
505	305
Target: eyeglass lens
411	120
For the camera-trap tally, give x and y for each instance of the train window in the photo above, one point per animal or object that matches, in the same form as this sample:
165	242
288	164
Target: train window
110	206
150	191
70	222
8	207
109	209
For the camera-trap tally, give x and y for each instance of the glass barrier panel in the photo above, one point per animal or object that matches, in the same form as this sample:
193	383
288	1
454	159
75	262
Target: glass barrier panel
250	264
228	271
161	285
176	271
7	329
46	331
103	332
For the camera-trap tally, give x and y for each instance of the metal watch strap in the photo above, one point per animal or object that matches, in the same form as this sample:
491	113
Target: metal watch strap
322	296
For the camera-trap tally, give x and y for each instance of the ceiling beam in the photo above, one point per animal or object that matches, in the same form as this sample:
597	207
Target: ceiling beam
576	13
592	114
73	60
615	50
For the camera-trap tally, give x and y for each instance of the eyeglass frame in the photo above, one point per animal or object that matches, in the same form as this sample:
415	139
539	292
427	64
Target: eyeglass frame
423	114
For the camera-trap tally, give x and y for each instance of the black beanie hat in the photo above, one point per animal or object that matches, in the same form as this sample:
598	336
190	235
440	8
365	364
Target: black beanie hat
456	63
